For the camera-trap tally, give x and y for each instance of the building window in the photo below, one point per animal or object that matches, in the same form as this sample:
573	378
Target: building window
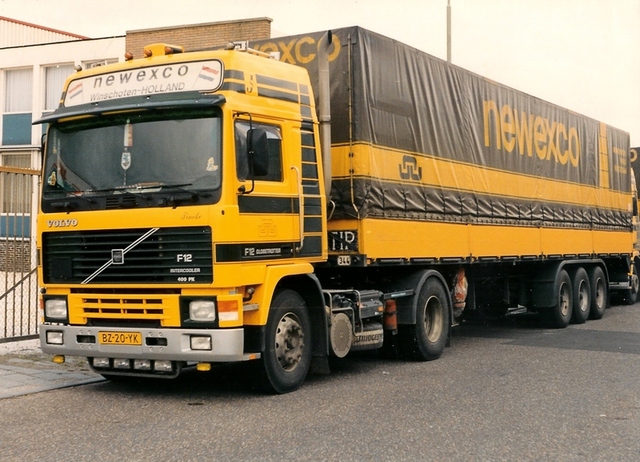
16	118
54	81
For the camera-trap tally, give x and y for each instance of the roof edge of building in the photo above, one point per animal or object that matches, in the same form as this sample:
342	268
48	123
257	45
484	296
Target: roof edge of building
88	39
37	26
205	24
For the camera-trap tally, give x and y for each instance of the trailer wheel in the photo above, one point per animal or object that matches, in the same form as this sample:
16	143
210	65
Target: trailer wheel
560	314
581	296
286	359
599	293
426	340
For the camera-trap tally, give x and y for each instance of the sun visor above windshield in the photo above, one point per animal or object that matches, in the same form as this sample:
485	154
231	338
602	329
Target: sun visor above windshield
142	103
204	75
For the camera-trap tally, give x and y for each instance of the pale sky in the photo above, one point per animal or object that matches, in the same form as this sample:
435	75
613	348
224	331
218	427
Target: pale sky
583	55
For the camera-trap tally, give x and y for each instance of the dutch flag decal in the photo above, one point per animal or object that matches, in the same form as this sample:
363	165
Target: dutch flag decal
75	90
208	73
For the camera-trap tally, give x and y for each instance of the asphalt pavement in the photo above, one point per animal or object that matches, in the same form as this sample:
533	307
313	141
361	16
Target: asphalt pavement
24	369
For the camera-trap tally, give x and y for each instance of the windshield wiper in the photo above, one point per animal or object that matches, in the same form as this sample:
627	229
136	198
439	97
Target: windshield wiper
138	187
70	202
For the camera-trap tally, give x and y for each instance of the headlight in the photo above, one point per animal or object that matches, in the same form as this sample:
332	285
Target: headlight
55	309
202	310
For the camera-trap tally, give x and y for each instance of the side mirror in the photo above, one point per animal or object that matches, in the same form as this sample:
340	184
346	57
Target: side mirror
258	152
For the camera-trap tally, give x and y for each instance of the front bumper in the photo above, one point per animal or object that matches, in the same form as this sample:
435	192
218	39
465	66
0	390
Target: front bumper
227	345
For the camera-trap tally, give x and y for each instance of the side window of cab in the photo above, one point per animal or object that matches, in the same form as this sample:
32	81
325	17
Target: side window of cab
274	143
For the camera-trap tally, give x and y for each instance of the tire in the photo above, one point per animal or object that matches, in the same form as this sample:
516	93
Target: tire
581	297
559	315
599	293
286	359
427	339
630	297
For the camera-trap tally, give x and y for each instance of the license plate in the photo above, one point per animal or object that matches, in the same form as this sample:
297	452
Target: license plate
120	338
344	260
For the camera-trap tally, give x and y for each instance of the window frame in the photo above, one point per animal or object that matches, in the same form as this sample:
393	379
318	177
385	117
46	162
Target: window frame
274	133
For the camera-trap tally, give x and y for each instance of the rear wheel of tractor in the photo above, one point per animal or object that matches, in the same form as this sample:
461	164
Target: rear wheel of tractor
427	339
286	359
560	314
581	296
599	293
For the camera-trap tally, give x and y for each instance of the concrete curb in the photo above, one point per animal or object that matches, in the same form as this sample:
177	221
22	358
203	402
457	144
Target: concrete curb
24	370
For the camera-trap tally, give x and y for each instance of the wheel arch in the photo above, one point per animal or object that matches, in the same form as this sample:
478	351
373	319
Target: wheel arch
408	306
306	284
309	288
544	281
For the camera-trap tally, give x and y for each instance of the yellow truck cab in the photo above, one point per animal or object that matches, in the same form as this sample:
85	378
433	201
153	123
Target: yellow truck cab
155	169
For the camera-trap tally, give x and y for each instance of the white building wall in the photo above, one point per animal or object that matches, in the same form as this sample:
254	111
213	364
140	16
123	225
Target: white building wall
39	57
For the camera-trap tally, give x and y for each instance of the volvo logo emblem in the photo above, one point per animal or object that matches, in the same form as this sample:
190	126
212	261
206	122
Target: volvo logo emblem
117	256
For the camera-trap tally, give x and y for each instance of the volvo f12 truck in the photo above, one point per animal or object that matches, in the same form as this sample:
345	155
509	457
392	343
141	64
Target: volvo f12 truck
225	205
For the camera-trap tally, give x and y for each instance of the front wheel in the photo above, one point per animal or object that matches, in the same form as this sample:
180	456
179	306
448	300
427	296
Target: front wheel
426	340
286	359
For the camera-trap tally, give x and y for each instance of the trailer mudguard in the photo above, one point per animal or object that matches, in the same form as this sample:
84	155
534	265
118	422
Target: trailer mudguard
406	306
544	288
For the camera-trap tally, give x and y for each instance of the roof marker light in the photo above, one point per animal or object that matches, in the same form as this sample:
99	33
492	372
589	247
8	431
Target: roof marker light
172	49
159	49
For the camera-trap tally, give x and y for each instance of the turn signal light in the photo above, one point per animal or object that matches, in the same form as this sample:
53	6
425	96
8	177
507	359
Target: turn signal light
228	310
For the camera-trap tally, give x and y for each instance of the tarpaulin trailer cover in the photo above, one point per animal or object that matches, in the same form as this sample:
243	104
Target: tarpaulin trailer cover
416	138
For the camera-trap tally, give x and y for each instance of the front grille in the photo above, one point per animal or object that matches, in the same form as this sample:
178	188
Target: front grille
139	308
132	256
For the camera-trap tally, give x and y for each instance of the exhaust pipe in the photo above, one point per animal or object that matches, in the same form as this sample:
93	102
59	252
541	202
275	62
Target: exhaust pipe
324	109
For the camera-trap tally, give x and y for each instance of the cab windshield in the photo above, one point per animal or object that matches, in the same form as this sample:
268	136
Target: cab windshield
155	154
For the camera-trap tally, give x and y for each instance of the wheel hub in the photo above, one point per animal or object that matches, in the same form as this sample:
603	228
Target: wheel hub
289	342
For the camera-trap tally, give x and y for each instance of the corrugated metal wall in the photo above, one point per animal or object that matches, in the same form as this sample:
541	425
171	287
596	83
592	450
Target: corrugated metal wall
17	33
